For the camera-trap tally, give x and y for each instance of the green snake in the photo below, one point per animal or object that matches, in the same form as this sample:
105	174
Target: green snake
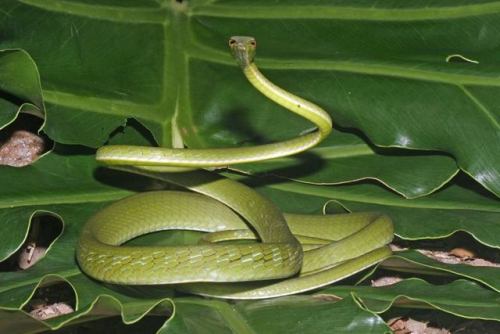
284	253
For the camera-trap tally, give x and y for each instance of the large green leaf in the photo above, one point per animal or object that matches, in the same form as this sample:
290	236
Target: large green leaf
344	157
458	207
380	68
462	298
90	189
304	314
20	88
414	261
72	188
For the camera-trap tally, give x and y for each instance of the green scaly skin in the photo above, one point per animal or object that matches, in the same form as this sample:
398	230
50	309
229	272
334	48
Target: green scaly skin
335	246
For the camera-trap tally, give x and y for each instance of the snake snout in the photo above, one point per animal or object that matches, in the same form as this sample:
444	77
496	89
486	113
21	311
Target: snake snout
243	49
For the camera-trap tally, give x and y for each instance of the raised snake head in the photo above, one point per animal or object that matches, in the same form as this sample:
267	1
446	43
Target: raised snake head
243	49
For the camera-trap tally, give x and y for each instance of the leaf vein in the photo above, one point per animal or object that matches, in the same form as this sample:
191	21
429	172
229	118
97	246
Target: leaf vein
100	12
348	13
480	106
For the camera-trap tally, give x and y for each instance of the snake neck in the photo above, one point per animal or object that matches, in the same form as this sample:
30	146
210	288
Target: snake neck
144	157
306	109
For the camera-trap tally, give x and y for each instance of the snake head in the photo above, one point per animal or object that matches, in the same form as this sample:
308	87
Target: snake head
243	49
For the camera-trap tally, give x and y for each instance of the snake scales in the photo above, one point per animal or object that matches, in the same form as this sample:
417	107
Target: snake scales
293	253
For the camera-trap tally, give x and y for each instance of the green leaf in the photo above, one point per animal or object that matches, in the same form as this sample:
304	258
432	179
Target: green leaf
90	189
296	314
45	189
90	308
462	298
458	207
20	88
380	68
344	158
414	261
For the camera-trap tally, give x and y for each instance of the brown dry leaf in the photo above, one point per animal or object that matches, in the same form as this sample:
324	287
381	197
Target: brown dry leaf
33	248
410	326
462	253
398	325
30	254
55	299
21	149
42	312
450	258
326	297
386	280
415	327
397	248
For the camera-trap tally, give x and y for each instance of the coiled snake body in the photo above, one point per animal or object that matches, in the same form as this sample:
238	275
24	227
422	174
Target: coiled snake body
295	253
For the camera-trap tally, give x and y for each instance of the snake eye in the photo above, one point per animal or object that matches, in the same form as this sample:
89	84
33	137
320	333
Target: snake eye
253	43
232	41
